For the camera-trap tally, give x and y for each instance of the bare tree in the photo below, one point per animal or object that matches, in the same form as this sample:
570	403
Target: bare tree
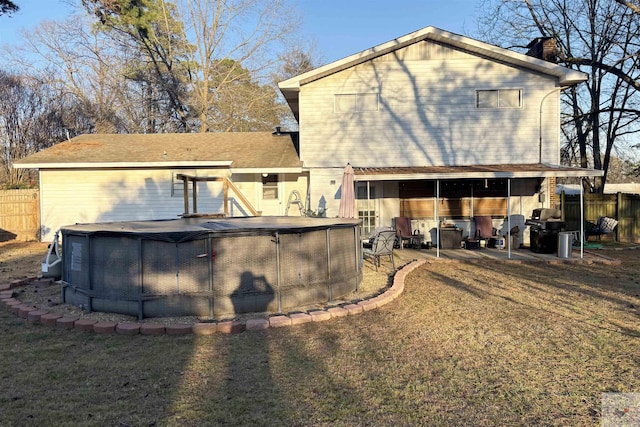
599	37
301	58
161	66
32	117
621	170
233	46
199	52
297	61
81	64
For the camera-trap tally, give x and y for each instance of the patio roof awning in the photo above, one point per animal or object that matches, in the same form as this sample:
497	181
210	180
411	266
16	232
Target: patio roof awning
534	170
505	171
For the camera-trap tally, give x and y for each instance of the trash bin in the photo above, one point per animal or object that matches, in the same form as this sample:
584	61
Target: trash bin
450	238
565	242
515	240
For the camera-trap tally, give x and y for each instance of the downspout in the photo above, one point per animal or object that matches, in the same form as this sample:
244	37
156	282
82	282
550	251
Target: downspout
437	218
308	195
375	224
582	238
509	217
540	121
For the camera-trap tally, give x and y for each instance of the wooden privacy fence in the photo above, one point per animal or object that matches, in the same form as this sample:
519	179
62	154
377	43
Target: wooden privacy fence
623	207
19	214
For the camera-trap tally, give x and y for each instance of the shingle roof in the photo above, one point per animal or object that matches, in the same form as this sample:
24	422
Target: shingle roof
240	150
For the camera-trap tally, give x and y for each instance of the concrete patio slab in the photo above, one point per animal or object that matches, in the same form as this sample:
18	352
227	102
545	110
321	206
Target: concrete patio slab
522	255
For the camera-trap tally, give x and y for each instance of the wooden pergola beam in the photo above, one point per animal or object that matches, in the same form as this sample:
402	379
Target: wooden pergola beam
226	185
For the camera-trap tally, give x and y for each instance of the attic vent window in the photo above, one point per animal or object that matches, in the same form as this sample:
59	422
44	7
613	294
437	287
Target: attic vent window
356	102
499	98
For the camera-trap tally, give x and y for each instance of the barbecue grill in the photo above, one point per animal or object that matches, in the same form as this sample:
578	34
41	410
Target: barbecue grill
545	224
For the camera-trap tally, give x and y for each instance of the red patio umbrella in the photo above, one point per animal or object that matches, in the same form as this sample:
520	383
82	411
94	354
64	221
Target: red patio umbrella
347	195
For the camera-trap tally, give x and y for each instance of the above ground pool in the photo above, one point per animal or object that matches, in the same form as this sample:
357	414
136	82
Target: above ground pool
209	267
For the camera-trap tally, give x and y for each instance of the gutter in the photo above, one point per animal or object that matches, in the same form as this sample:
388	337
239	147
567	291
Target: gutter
121	165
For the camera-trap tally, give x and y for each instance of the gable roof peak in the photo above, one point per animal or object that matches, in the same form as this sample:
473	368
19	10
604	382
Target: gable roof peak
565	76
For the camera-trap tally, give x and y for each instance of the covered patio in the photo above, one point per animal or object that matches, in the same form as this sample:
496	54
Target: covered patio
436	193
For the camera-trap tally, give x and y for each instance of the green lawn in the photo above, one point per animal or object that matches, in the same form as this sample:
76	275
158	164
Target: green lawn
502	344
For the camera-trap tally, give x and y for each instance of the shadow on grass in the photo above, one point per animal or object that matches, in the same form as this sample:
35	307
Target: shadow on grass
455	348
228	379
538	287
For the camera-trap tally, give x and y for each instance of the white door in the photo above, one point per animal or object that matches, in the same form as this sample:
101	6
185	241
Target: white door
368	196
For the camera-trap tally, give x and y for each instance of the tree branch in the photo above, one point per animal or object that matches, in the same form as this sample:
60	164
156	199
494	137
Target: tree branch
635	8
604	67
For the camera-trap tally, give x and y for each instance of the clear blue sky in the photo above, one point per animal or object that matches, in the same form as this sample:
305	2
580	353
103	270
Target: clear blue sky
345	27
339	27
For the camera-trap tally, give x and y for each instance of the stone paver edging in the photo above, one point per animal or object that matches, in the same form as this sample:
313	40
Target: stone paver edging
36	316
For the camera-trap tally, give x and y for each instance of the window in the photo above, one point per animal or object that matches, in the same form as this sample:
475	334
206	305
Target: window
270	187
345	103
367	102
362	193
356	102
368	219
499	98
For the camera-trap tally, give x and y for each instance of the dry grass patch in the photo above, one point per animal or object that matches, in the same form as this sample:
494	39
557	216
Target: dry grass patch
533	342
495	344
19	260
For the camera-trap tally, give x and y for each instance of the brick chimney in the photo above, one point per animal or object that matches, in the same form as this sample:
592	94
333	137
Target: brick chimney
544	48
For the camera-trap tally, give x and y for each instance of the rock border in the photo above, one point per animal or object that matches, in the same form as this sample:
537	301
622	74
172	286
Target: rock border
36	316
42	317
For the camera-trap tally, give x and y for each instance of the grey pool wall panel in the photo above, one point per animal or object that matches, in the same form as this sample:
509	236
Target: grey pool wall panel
212	268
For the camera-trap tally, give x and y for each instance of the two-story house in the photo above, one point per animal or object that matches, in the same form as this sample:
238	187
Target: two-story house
436	125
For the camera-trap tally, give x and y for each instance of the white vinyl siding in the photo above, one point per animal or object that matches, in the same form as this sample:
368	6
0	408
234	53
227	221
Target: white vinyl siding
88	196
428	115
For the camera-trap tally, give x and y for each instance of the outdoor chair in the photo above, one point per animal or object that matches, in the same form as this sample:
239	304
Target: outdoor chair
484	229
403	228
604	225
372	237
382	246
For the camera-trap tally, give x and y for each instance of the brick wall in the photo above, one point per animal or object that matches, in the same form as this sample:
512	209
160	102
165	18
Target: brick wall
553	197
